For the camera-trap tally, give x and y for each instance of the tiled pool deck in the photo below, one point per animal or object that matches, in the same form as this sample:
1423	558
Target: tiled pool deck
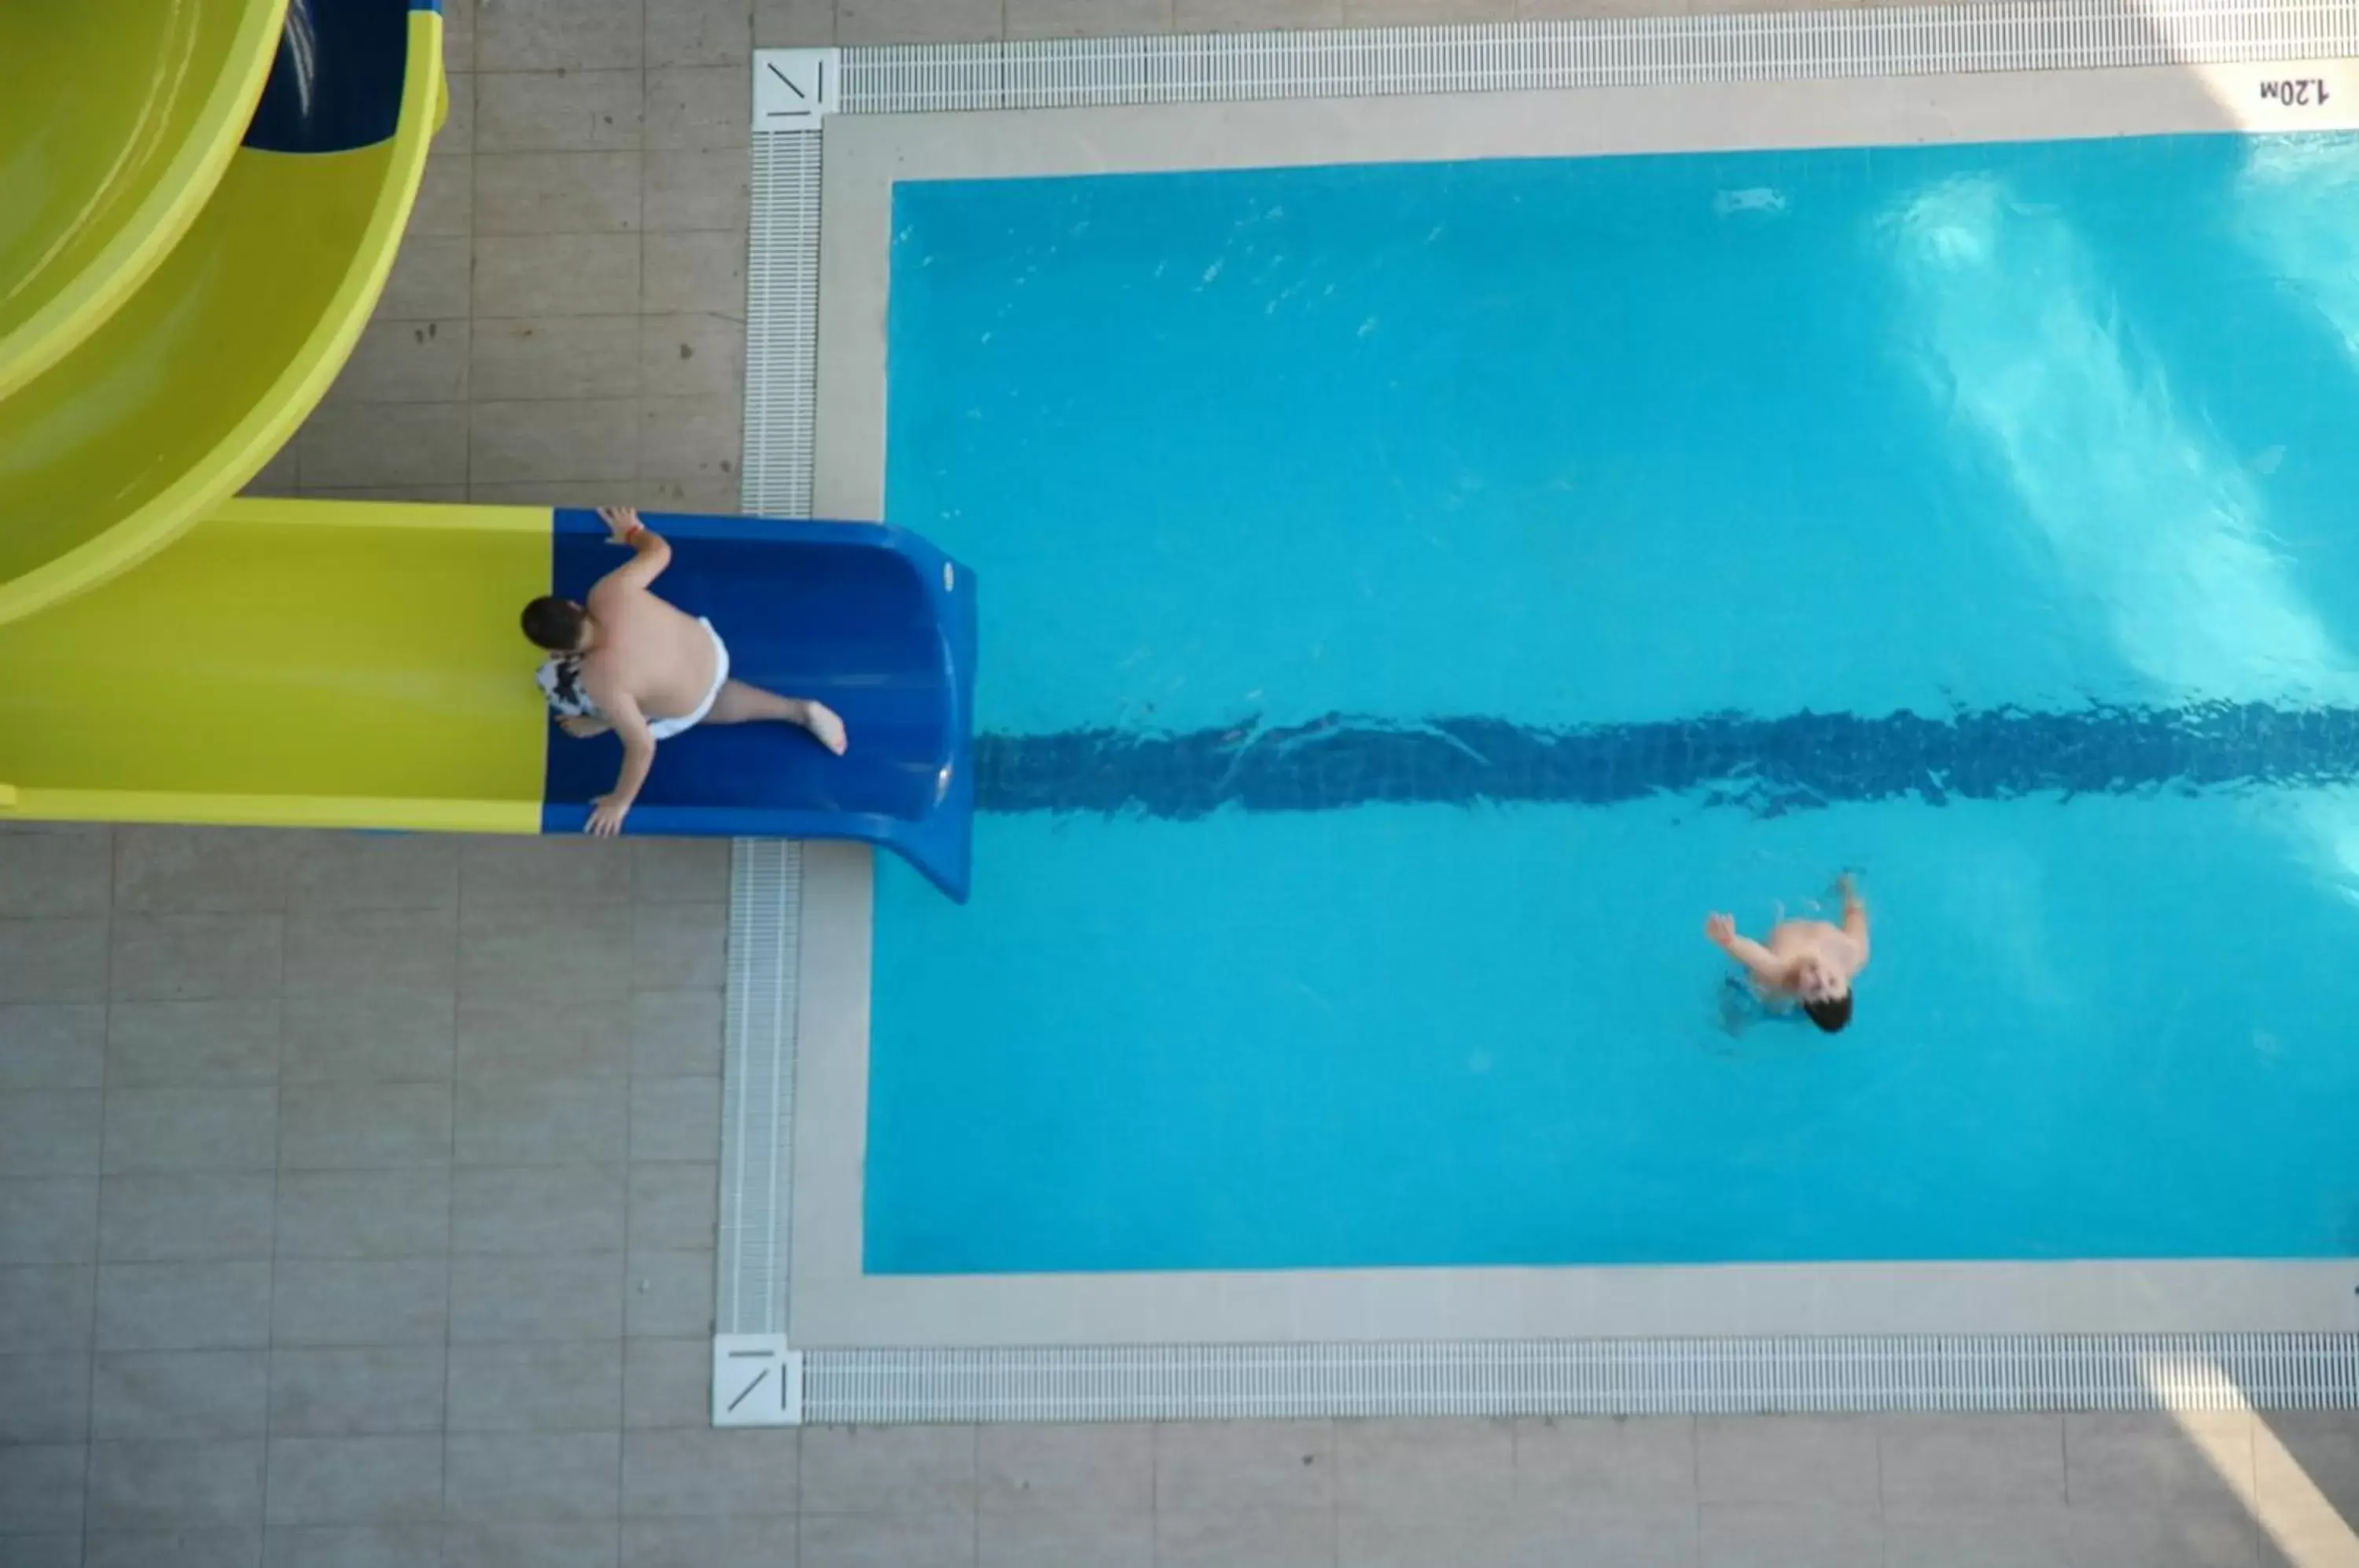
356	1195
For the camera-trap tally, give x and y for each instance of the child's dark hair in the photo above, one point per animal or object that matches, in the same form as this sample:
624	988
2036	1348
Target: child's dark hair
555	623
1829	1015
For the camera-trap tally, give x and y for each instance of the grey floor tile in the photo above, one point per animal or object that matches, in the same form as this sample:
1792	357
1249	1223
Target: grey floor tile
370	1391
696	108
561	35
1803	1534
700	32
45	1397
1425	13
557	192
557	357
356	1480
412	362
51	1549
1087	18
516	1299
429	283
458	132
877	1541
545	1386
53	1045
521	1211
546	874
181	870
576	1544
691	190
217	1044
376	1037
674	1208
324	1305
46	1309
497	1477
50	1132
371	871
548	111
390	443
694	273
183	1306
711	496
62	959
335	953
67	871
2193	1458
1066	1469
2312	1534
876	1470
160	1219
48	1219
1208	1467
1425	1469
1634	1462
676	1034
670	1294
691	357
586	438
916	21
554	1121
1077	1540
1995	1535
557	1037
354	1546
794	24
2303	1454
1517	1536
667	1383
1253	15
40	1489
2175	1536
193	957
557	275
675	1118
1958	1461
705	1473
152	1131
355	1127
746	1543
236	1547
1265	1537
445	206
686	438
153	1396
168	1486
364	1214
1753	1459
680	870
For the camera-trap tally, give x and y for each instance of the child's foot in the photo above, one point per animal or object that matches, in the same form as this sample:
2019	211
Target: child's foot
824	725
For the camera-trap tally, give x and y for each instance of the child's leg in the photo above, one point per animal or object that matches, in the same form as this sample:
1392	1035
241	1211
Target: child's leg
742	704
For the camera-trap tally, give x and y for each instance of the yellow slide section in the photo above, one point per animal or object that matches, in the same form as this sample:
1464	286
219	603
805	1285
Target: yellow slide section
314	664
117	119
207	367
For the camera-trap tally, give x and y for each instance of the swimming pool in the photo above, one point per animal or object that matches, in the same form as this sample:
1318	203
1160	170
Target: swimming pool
1418	593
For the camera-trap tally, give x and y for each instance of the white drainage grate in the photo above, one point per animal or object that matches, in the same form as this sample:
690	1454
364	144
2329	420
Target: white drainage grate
1578	1378
758	1087
2021	35
781	324
1539	1378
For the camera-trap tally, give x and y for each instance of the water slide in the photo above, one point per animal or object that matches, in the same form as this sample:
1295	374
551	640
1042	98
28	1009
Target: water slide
185	265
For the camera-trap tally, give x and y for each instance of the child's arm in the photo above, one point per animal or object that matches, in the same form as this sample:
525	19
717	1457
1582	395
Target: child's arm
1758	960
1855	921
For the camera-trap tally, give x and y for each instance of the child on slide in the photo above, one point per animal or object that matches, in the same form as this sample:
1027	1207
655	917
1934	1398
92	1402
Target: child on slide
628	662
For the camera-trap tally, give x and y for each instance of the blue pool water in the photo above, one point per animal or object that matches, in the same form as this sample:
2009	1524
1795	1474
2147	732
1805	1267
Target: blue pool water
1417	595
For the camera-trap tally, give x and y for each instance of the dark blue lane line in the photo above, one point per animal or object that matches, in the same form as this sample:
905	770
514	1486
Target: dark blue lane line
1768	767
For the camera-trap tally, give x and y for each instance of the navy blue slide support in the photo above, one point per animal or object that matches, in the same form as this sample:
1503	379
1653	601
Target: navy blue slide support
873	621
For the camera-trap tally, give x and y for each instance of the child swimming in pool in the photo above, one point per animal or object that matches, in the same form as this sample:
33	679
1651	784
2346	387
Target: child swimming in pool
1808	962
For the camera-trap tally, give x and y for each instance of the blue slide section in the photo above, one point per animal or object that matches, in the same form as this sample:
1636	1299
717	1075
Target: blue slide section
873	621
